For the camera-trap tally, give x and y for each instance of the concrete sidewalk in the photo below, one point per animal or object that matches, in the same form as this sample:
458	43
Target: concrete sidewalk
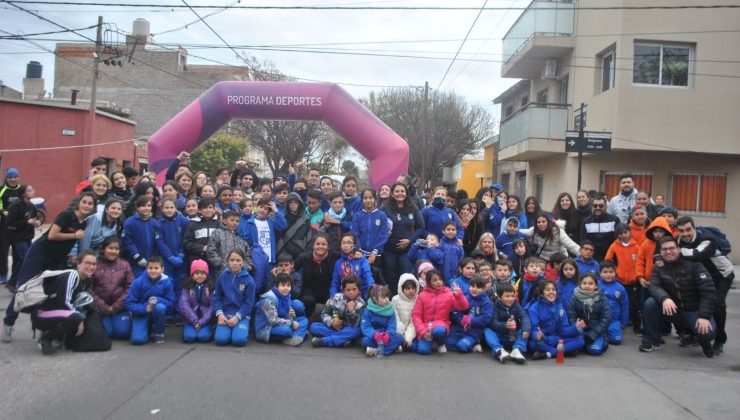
178	381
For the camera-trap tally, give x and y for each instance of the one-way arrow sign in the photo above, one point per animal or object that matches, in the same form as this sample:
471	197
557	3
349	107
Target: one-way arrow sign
593	141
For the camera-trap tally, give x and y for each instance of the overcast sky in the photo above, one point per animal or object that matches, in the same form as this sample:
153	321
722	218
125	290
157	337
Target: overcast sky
436	34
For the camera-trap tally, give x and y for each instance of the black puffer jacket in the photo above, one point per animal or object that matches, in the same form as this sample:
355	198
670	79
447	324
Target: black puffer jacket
687	283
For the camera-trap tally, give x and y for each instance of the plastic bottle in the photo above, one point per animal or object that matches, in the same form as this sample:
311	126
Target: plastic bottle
512	333
381	350
561	352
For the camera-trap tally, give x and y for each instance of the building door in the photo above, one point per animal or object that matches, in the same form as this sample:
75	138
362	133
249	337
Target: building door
521	184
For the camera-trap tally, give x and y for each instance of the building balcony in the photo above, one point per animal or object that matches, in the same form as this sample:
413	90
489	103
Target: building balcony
533	132
543	31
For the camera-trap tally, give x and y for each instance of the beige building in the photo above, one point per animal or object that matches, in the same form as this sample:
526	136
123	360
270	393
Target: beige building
664	82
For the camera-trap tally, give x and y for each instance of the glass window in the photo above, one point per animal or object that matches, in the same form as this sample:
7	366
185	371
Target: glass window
659	64
607	71
699	193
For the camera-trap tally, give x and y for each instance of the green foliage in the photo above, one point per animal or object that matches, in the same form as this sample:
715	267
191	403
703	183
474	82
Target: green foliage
220	151
350	168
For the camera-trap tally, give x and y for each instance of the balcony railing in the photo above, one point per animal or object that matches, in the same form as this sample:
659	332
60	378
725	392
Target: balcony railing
534	121
547	18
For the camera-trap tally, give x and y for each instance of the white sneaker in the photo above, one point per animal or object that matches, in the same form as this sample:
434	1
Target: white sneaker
398	350
477	348
442	349
371	352
517	357
502	355
7	333
293	341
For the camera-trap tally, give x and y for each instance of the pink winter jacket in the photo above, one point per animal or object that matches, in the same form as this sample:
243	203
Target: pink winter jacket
434	307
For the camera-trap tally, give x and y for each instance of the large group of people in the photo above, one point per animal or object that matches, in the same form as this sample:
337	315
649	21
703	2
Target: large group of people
394	269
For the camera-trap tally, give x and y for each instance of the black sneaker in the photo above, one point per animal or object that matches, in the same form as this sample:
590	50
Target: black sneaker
707	350
647	347
718	348
688	341
317	342
540	355
46	345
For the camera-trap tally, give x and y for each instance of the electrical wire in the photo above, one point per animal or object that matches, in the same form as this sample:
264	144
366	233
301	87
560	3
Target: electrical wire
460	48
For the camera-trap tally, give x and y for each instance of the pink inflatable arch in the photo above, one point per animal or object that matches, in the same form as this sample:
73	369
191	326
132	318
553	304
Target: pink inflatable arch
387	152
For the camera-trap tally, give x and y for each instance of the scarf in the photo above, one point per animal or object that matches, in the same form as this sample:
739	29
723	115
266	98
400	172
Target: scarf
373	307
338	216
283	302
318	260
588	299
349	197
438	202
530	278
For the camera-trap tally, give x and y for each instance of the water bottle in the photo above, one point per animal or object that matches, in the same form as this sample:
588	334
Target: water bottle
381	350
512	333
561	352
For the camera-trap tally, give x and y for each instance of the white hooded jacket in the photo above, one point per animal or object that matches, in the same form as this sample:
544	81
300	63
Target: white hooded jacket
403	307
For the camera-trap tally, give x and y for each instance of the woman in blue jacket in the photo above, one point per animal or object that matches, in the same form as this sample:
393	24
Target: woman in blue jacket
408	226
233	300
436	215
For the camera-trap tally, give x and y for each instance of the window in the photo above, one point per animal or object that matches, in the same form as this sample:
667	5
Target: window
564	90
607	71
521	183
610	182
661	64
508	110
699	193
525	101
542	97
505	179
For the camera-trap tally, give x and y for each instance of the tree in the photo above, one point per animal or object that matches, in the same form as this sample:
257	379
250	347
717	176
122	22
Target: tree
283	142
219	151
438	134
350	168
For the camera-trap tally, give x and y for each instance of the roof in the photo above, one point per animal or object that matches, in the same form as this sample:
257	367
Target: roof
512	90
66	106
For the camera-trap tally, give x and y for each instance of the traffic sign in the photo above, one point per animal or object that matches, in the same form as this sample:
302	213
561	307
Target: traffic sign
580	114
593	141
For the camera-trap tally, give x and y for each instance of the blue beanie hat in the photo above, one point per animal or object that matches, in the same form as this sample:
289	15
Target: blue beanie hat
12	173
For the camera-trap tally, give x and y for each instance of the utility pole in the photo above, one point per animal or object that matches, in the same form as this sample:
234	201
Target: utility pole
581	141
425	109
90	131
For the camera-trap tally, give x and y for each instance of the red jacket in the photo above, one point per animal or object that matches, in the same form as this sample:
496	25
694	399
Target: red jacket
625	258
110	284
434	306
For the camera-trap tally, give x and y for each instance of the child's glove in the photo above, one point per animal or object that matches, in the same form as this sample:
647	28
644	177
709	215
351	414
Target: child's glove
465	322
141	261
175	260
378	337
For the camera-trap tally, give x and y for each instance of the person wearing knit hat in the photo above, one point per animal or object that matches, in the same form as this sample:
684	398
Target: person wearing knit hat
421	272
195	304
9	193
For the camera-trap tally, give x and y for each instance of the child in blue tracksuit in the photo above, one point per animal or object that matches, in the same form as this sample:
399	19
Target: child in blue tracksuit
505	240
567	282
550	324
233	300
509	330
586	262
149	299
452	252
370	226
466	272
467	331
590	312
340	318
262	229
619	303
530	280
169	231
437	215
378	323
195	304
139	232
278	316
426	252
347	264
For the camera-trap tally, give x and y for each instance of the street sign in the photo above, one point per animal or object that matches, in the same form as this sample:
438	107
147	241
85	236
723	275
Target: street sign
577	117
593	141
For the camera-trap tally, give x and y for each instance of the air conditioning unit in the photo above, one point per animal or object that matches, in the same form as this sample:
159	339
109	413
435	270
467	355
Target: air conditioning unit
550	71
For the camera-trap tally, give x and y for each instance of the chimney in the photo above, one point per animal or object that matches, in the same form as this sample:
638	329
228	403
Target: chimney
73	100
33	83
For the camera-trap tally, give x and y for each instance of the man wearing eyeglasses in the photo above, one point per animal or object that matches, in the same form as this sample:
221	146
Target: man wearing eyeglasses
681	291
701	247
599	227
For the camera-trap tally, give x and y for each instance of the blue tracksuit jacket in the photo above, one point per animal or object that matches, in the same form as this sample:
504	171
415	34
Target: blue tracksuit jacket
247	229
552	320
501	314
452	253
139	237
170	233
361	268
430	253
619	302
143	288
587	266
463	282
371	230
370	323
434	218
354	204
505	243
481	313
565	291
234	294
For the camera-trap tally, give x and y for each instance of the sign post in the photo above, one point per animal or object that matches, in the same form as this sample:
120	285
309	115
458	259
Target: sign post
585	141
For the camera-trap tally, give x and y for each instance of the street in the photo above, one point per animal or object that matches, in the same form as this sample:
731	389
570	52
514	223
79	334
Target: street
178	381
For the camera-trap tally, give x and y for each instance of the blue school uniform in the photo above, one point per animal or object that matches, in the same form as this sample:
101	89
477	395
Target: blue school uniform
234	296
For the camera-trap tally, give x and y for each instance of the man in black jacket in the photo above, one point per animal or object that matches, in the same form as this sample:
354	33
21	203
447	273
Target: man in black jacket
599	227
682	291
701	247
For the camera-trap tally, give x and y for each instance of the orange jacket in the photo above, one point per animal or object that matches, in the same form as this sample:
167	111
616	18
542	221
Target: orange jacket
637	232
625	258
646	255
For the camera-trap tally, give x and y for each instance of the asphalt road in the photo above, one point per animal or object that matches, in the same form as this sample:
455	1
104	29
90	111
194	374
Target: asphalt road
178	381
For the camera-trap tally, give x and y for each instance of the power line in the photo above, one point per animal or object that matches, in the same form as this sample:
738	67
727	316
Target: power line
45	33
373	8
77	146
461	46
211	28
196	21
